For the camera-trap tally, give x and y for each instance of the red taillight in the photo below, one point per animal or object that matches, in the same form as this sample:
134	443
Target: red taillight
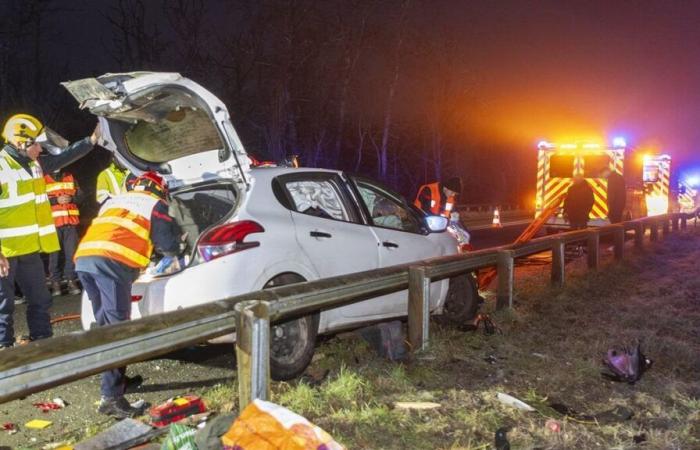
136	298
227	239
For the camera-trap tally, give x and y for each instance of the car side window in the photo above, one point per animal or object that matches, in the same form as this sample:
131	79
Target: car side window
385	211
319	198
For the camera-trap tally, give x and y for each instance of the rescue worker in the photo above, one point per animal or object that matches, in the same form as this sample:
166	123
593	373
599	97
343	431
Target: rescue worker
112	181
617	195
579	203
439	198
26	225
65	196
116	246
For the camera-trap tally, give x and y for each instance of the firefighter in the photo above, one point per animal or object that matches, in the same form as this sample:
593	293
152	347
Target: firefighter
439	198
112	181
65	196
116	246
26	224
579	203
617	195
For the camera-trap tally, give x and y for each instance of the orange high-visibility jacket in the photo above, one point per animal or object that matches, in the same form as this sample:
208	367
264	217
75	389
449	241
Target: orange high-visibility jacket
68	213
121	231
435	200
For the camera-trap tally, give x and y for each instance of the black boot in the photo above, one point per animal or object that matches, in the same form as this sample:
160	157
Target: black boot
118	407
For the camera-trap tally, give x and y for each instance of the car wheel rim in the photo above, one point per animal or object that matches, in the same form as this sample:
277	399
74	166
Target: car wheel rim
288	341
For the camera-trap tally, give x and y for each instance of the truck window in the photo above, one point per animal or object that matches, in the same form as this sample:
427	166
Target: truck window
561	166
595	165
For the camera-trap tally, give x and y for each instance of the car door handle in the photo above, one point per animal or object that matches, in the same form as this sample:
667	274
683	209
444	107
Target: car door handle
320	234
389	244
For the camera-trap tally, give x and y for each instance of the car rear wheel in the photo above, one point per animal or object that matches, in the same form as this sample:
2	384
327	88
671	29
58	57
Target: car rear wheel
462	300
292	343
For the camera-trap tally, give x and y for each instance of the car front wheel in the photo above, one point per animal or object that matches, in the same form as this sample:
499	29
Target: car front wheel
462	300
292	343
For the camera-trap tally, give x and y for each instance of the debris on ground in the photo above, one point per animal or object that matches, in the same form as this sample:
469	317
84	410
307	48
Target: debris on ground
553	425
489	325
501	439
176	409
124	434
9	427
38	424
416	405
266	426
626	364
387	339
209	438
180	437
48	406
514	402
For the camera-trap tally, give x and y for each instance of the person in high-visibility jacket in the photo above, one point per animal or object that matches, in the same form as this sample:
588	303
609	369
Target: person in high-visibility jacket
116	246
65	196
439	198
26	224
112	181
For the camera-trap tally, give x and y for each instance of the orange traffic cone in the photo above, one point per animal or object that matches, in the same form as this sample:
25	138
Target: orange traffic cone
496	223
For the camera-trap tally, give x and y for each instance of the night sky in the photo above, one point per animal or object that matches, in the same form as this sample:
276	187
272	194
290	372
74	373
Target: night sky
555	70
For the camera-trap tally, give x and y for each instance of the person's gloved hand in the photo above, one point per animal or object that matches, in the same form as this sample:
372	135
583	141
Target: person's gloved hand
169	264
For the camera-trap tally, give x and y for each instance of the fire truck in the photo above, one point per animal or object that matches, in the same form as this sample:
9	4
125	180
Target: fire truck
558	164
688	200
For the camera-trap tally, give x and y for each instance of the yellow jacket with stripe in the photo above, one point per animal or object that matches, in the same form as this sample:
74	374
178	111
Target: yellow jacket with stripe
110	183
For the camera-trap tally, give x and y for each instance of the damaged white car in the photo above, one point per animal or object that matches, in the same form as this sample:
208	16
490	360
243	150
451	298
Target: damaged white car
253	228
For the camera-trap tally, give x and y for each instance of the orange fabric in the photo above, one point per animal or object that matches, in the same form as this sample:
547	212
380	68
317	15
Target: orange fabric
435	200
68	213
120	234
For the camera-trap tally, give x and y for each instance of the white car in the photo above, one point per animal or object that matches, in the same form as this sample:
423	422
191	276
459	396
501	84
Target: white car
253	228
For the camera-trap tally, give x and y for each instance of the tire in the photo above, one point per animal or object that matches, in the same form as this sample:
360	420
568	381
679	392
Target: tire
462	302
292	343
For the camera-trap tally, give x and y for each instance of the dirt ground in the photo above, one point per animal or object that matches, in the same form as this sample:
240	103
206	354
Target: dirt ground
549	352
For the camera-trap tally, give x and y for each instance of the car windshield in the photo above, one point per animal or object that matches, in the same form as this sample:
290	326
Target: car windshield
168	126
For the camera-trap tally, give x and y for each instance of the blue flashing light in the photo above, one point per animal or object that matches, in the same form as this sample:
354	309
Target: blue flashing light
693	181
619	142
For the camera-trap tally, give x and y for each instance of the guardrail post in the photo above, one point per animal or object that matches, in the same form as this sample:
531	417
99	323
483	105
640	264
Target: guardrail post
558	262
639	230
418	307
506	269
592	247
664	226
674	221
654	230
252	351
619	239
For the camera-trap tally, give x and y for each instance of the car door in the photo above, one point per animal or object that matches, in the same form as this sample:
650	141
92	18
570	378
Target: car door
401	234
328	227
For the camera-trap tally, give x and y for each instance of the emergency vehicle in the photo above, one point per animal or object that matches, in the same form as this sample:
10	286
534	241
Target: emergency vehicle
558	164
687	197
656	177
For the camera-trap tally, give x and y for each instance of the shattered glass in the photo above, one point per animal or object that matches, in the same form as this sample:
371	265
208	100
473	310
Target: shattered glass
316	198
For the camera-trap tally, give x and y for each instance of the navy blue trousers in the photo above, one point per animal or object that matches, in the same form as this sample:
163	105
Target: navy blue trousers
61	262
28	272
111	303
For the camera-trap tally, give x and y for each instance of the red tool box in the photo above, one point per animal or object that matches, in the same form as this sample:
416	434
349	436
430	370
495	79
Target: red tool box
176	409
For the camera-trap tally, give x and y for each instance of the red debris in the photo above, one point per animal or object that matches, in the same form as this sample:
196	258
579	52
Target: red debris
47	406
9	426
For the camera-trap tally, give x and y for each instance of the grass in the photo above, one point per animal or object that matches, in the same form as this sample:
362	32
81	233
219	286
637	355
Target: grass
550	351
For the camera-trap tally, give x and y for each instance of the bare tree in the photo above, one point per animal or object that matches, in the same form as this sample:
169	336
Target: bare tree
137	42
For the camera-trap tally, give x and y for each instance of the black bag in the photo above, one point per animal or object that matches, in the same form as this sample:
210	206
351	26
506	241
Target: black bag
626	364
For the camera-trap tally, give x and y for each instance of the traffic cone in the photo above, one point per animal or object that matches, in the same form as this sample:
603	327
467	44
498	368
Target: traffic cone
496	223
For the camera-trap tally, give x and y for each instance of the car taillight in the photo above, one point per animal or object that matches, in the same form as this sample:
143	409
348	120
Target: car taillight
136	298
227	239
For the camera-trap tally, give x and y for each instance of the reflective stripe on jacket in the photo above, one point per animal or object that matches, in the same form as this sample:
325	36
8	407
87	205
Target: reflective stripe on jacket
110	183
26	225
436	200
121	231
68	213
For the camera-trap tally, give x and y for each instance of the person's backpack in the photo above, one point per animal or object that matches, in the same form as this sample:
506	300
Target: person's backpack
626	364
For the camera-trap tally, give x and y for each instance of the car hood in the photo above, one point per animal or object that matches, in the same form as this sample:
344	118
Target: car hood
166	123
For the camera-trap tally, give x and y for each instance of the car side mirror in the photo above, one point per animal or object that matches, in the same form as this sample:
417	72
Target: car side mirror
436	224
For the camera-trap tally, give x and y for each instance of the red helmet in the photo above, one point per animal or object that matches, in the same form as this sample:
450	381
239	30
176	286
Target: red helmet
151	182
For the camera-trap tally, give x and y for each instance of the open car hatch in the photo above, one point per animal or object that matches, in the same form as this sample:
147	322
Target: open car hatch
164	122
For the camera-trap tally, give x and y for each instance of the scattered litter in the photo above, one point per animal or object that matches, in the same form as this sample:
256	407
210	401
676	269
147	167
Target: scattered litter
416	405
60	402
501	439
176	409
514	402
38	424
387	339
539	355
481	319
491	359
124	434
553	425
10	428
279	427
625	364
48	406
180	437
209	438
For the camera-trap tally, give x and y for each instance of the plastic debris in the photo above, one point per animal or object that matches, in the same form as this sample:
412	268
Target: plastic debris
501	439
514	402
48	406
10	428
180	437
416	405
38	424
266	426
553	425
176	409
625	364
60	402
124	434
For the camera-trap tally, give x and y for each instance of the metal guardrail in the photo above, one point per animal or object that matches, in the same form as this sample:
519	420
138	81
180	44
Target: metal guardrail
59	360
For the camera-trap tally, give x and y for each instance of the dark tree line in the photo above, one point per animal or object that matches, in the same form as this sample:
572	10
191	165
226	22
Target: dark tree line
382	88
